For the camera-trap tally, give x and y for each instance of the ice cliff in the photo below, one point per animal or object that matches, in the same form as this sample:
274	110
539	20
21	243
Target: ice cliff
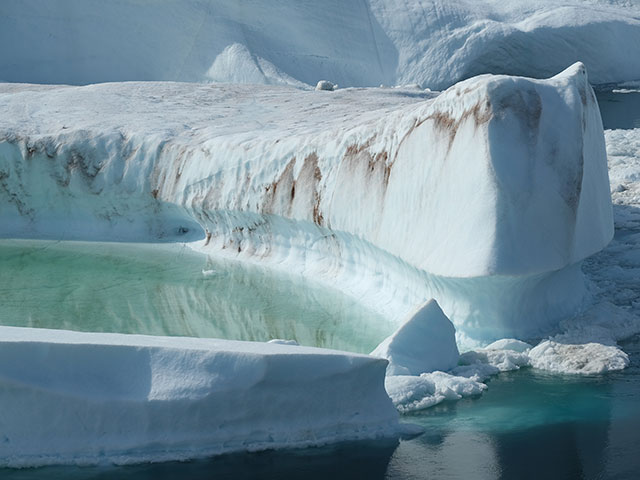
393	42
485	197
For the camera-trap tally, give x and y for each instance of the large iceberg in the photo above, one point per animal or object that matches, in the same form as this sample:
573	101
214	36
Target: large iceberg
393	42
485	197
70	397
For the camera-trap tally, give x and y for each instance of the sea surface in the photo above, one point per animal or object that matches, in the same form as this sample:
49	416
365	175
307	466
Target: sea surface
528	424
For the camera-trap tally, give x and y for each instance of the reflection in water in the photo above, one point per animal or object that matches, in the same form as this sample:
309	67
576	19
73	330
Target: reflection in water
348	461
170	290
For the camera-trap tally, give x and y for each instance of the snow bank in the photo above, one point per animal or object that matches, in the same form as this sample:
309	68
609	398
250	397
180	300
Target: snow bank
408	198
425	342
284	41
72	397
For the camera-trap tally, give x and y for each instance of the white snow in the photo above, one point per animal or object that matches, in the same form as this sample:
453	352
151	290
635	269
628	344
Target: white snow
388	194
588	358
434	43
425	342
70	397
411	393
509	344
326	85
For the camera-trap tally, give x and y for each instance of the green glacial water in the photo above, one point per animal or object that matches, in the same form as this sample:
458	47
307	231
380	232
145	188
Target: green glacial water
171	290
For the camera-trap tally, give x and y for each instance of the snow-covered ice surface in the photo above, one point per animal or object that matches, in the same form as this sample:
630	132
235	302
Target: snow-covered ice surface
393	196
434	43
70	397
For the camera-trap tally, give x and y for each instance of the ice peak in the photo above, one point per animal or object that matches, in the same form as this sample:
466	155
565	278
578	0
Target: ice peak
425	342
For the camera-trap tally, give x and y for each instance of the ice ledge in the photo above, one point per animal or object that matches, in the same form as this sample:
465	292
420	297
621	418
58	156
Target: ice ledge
71	397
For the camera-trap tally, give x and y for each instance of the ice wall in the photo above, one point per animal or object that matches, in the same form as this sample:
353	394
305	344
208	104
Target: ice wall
70	397
394	42
484	198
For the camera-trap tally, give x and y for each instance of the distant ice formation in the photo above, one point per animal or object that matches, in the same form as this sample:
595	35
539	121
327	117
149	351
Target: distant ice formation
434	43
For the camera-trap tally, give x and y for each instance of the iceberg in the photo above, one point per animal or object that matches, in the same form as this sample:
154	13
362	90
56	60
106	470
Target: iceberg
485	197
425	342
434	43
86	398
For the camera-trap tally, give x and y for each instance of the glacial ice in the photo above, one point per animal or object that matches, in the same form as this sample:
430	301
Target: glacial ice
413	196
425	342
286	42
70	397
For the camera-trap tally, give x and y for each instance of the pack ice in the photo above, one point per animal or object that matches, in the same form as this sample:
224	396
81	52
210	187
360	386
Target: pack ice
485	197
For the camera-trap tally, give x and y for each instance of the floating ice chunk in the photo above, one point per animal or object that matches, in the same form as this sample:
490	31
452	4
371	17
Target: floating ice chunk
409	393
70	397
509	344
326	85
279	341
483	363
587	358
424	343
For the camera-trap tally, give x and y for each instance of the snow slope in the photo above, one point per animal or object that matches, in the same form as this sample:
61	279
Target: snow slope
70	397
485	198
431	42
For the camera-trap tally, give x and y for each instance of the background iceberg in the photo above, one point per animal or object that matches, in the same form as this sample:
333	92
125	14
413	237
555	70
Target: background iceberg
430	42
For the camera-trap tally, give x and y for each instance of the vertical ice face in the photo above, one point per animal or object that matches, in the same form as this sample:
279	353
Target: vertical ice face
508	175
485	198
